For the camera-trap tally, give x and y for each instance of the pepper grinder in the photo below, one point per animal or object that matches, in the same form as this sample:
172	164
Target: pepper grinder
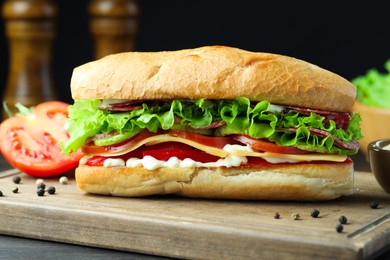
29	27
114	25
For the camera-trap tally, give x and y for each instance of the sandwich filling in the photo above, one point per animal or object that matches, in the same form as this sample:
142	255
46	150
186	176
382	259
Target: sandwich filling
207	133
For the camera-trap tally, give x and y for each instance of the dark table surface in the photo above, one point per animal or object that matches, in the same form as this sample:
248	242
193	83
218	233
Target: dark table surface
25	248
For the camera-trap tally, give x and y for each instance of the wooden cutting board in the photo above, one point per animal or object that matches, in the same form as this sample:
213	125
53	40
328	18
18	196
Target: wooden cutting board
196	228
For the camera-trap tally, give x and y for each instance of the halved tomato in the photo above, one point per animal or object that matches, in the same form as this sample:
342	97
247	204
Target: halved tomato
267	146
31	143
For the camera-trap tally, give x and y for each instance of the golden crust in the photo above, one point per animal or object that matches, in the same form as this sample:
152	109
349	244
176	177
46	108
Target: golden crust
309	181
213	72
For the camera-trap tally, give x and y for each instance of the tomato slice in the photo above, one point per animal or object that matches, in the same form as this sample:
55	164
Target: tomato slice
267	146
32	143
162	151
217	142
168	146
98	160
56	110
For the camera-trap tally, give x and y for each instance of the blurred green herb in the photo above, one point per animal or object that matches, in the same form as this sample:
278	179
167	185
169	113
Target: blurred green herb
7	110
23	110
373	89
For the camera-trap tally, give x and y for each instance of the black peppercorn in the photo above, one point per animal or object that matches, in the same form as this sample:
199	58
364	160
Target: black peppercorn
51	190
374	204
40	192
343	220
315	213
41	185
339	228
16	179
277	215
15	189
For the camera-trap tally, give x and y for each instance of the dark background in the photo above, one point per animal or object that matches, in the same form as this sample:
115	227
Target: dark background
346	37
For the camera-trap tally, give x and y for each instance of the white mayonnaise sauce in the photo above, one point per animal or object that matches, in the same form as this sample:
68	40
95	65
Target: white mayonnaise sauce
111	162
152	163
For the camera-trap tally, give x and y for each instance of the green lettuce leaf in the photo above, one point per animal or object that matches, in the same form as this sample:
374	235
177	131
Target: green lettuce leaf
257	120
373	88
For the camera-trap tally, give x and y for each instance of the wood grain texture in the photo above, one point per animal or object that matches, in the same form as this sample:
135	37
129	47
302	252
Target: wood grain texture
188	228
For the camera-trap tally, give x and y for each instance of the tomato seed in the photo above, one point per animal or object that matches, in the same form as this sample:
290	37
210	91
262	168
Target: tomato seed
48	138
16	145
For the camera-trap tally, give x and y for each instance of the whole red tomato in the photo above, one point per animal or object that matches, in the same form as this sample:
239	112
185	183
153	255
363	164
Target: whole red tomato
31	142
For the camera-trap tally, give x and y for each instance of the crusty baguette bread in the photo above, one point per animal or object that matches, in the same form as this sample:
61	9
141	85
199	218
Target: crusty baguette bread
215	72
310	181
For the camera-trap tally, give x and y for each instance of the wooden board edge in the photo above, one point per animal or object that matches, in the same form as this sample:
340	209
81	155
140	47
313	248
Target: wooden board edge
174	239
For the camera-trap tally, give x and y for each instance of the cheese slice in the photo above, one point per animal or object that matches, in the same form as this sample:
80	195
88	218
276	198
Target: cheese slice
156	139
237	150
293	157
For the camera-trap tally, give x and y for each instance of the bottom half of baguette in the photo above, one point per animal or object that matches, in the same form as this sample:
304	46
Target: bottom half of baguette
303	181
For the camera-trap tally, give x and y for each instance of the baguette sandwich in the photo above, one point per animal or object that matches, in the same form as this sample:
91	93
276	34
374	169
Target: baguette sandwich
212	122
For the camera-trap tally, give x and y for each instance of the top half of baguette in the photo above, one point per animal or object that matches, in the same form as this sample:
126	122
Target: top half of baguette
213	72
